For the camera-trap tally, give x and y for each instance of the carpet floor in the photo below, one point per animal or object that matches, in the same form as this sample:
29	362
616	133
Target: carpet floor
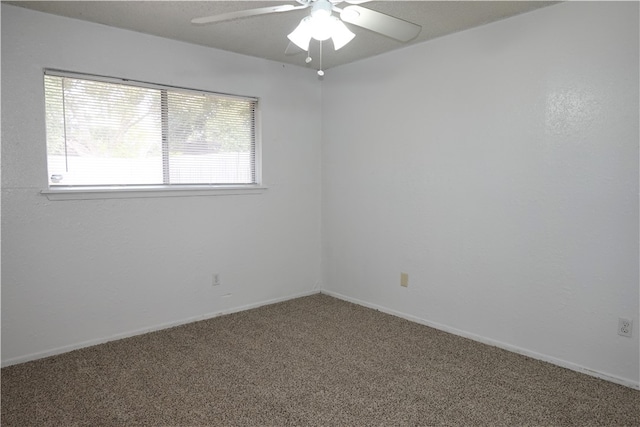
312	361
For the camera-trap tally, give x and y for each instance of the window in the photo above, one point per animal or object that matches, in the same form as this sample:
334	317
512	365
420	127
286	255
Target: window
104	132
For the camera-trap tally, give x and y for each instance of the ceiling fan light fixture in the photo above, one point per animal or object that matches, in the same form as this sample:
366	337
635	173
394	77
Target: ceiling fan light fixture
322	26
321	8
340	34
301	36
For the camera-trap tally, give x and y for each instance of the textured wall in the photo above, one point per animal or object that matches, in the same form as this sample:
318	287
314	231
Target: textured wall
498	167
78	272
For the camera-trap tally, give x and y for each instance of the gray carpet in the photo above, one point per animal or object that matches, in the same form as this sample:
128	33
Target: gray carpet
310	361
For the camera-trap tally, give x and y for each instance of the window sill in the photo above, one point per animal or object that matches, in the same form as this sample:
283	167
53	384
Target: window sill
138	192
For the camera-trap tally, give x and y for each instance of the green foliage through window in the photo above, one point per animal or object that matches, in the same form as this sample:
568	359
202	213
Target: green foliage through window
101	133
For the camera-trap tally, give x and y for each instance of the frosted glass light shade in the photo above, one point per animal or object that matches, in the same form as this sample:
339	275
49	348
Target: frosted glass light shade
321	27
340	34
301	36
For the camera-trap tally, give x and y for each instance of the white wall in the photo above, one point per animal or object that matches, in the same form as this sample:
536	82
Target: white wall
79	272
498	167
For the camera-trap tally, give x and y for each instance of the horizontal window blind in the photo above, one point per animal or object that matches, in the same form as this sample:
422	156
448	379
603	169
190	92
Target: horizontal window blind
109	133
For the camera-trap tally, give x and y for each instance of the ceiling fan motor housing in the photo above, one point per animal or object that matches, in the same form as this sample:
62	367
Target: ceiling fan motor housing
321	7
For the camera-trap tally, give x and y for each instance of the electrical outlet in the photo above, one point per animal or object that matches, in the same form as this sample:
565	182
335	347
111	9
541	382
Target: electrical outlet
404	280
625	327
216	279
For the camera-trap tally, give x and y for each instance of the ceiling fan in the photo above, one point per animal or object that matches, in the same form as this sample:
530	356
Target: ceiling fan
322	25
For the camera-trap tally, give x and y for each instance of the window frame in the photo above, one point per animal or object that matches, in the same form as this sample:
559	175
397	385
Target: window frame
155	190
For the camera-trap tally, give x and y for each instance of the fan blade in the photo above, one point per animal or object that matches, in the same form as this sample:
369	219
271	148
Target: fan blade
245	13
382	23
349	1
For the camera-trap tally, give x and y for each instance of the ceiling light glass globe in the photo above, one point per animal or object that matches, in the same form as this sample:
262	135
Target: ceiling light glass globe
321	26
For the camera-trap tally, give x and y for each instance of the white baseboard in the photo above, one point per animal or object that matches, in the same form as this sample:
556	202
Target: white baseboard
89	343
543	357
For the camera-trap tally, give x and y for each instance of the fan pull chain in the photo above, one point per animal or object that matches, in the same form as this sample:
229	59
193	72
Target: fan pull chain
320	72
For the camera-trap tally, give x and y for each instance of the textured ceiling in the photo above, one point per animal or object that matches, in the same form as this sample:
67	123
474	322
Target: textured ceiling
265	36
